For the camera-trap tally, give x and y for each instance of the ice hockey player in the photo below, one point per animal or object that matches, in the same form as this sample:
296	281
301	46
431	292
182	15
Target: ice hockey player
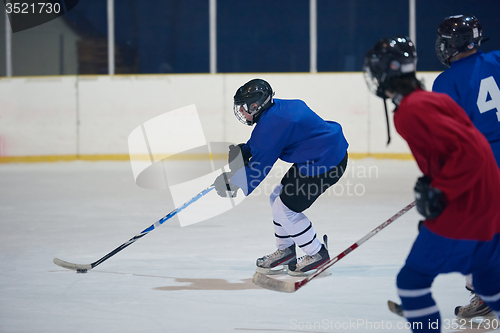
461	230
473	81
288	130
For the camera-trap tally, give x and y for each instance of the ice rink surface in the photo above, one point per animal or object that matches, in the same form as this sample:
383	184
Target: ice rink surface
196	278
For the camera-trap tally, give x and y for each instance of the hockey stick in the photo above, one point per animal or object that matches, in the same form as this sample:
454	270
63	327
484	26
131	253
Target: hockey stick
83	268
395	308
267	282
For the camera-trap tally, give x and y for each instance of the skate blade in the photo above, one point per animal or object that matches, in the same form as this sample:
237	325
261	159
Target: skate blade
325	273
272	271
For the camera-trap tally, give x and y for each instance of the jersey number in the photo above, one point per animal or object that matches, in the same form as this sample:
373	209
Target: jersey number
489	96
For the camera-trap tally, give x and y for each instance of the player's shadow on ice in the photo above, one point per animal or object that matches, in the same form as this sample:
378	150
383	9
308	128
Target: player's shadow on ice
210	284
196	284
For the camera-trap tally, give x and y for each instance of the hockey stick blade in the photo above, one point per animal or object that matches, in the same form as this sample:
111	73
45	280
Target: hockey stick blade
72	266
267	282
395	308
87	267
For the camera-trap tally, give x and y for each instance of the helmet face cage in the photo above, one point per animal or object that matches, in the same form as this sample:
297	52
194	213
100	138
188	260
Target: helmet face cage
390	57
252	98
373	76
457	34
239	109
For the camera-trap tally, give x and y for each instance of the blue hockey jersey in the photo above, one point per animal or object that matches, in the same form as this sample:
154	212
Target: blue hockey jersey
292	132
474	83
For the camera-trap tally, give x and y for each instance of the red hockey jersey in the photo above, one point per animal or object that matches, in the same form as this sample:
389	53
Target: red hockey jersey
458	158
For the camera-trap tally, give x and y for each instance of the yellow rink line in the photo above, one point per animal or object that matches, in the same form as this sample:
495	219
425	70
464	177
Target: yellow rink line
179	157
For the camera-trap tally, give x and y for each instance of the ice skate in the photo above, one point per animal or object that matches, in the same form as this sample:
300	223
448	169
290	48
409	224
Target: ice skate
277	262
476	308
307	264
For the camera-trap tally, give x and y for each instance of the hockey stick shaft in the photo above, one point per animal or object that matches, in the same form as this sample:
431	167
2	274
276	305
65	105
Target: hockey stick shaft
132	240
290	287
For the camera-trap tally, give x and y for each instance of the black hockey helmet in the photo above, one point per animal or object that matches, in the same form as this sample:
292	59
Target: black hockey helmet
457	34
390	57
253	97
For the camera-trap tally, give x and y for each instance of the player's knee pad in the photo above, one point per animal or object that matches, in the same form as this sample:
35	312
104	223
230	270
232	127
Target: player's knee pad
411	279
276	192
284	215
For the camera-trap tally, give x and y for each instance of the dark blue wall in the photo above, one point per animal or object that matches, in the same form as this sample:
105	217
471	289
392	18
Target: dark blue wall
172	36
263	36
348	29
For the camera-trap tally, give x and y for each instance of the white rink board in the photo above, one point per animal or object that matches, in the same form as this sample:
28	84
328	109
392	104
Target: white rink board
94	115
38	116
111	107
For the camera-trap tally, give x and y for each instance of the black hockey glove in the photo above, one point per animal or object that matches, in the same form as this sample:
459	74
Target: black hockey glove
430	200
238	157
223	187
